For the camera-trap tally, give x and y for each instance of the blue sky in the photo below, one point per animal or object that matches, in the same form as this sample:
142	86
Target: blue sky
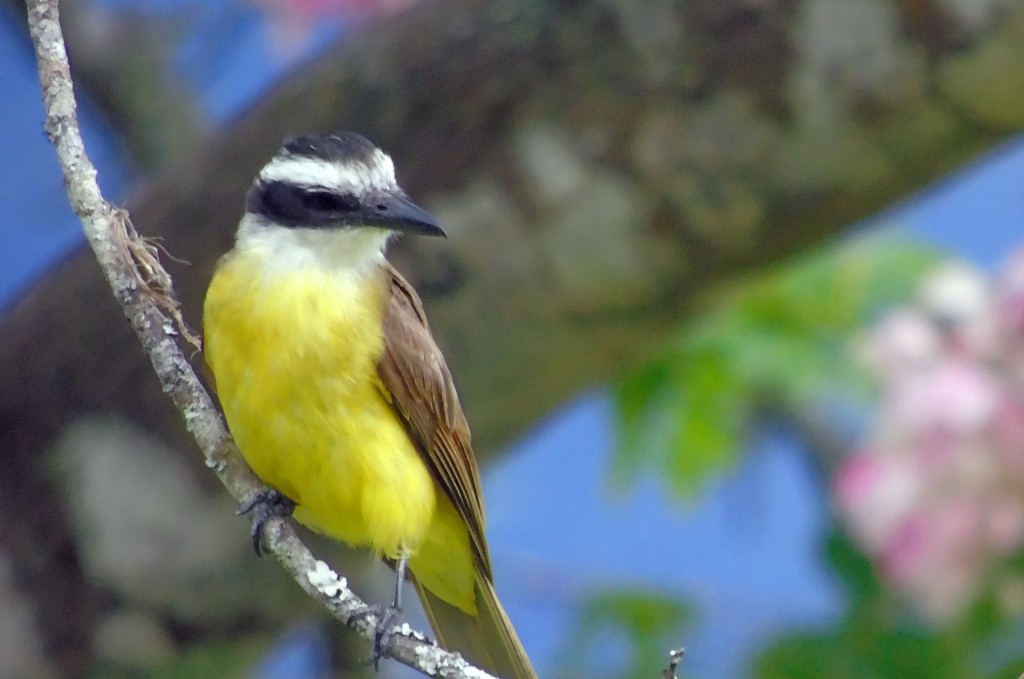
745	556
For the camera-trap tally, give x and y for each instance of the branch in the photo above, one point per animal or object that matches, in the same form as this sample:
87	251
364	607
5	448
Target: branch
675	657
144	290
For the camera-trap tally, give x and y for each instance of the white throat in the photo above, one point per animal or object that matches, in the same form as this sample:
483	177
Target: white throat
285	249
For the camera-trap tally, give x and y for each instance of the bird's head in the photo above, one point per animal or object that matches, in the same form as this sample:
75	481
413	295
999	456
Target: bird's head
335	193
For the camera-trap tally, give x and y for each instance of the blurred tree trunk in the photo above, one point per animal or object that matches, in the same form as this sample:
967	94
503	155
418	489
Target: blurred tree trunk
124	65
600	167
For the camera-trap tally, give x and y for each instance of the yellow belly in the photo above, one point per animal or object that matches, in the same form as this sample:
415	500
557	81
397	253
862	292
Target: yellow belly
294	358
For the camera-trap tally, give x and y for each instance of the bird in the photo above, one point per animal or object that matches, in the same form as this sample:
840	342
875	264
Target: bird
337	395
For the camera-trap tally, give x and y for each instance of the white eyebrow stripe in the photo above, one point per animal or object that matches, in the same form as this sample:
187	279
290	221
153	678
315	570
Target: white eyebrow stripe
313	172
385	167
306	171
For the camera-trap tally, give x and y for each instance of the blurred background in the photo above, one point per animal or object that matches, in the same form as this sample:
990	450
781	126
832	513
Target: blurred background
731	292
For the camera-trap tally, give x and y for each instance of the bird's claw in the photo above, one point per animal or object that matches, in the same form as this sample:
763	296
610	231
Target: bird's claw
387	626
263	506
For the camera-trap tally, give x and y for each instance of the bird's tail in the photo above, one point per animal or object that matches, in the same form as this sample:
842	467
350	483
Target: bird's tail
487	639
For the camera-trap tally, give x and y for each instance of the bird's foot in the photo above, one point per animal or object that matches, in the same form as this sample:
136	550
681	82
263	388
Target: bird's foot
263	506
388	624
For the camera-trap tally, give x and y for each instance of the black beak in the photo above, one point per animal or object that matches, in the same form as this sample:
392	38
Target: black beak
398	213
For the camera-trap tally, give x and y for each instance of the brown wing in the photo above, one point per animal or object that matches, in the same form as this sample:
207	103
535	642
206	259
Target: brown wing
422	392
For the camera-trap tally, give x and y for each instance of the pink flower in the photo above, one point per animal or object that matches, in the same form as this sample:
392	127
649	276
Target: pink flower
958	395
901	344
876	493
936	493
958	298
1008	432
932	558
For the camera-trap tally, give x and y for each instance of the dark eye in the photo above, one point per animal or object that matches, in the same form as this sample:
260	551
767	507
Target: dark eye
325	201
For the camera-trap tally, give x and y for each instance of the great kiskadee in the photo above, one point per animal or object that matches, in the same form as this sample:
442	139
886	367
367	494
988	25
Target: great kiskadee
337	395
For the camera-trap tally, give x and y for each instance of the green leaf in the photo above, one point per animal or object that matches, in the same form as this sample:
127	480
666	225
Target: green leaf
853	567
779	343
708	423
902	653
643	421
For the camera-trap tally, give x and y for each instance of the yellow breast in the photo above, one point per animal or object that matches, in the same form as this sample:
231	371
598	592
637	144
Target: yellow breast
294	353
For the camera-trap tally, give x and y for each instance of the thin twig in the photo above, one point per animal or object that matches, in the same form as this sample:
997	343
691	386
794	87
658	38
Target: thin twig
675	656
144	290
